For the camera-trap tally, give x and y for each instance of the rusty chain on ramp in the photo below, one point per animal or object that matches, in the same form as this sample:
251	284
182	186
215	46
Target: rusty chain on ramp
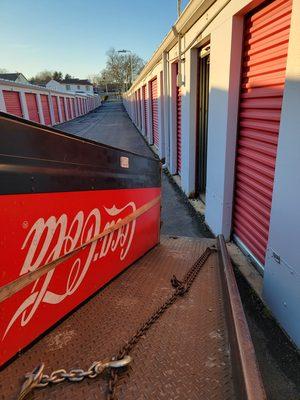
117	363
181	288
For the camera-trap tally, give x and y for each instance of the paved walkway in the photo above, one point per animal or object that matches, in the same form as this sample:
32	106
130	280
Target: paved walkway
279	363
110	124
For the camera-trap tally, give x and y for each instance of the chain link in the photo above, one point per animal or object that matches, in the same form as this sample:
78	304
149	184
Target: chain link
37	379
122	359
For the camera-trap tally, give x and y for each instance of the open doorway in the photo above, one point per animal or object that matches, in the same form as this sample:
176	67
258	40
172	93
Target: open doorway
202	120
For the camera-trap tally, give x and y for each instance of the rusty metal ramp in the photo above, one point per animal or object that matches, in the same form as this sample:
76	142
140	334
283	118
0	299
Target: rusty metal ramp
200	348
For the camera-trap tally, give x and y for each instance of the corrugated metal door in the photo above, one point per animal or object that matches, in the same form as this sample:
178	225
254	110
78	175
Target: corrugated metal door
77	108
63	109
154	109
55	108
145	105
46	109
12	103
136	108
266	39
140	107
73	108
68	109
178	124
32	107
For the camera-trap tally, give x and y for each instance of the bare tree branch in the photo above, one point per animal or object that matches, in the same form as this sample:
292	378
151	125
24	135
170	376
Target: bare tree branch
118	69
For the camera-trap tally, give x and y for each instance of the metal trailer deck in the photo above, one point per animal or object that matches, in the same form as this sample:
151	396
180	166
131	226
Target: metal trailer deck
200	348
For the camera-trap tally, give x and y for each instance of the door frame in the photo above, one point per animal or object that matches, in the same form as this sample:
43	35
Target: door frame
198	151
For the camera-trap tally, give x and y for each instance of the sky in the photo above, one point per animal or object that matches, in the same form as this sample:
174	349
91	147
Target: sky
73	36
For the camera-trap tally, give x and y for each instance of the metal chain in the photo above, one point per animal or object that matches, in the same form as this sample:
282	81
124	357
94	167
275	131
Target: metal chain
181	288
74	375
37	379
122	359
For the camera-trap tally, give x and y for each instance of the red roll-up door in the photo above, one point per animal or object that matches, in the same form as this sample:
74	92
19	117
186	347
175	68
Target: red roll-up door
73	108
63	109
77	106
136	109
12	103
145	104
154	109
178	124
55	108
266	39
68	109
178	130
140	107
46	109
32	107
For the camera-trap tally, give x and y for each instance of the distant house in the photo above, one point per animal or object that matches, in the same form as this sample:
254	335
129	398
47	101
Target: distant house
55	85
77	85
14	76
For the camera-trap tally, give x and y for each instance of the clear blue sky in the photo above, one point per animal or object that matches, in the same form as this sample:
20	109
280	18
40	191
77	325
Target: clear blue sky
73	36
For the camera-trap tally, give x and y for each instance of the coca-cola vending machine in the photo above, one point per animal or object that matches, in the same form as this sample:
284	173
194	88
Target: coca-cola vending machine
73	214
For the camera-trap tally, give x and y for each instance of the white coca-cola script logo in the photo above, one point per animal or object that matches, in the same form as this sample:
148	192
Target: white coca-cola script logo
61	237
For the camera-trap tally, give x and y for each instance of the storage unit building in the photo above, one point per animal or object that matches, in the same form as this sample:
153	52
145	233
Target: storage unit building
230	130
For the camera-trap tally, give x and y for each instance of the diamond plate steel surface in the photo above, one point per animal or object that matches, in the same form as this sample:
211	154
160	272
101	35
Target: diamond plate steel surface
185	355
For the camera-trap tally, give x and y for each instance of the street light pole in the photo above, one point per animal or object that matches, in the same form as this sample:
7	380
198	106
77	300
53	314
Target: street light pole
131	71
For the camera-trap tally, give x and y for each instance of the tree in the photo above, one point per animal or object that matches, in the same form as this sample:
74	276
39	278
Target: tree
41	77
46	75
57	76
118	68
3	71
